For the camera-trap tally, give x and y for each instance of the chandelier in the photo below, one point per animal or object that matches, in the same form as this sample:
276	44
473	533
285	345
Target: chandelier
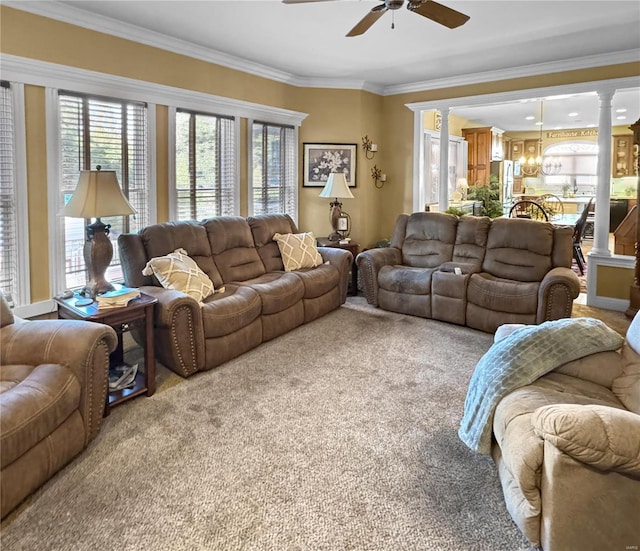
535	163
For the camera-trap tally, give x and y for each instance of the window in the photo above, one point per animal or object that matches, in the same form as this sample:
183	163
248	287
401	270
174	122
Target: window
8	222
273	170
111	133
579	161
205	166
14	246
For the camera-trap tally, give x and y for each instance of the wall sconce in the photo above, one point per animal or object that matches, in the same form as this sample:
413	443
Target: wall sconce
378	177
369	148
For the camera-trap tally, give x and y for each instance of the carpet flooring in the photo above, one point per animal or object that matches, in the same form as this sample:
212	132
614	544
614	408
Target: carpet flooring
340	435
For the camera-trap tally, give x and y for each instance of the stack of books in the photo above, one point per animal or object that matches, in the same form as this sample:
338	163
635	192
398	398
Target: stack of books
118	298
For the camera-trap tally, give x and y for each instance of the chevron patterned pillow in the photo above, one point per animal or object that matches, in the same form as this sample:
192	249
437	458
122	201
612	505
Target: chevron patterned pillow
298	250
178	271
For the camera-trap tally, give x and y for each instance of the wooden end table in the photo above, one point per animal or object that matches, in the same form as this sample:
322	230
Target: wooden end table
138	312
354	249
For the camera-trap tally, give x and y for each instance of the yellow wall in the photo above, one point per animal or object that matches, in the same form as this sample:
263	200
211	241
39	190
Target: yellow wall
341	116
614	282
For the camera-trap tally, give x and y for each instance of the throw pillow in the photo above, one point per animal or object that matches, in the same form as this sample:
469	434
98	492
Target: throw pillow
298	250
178	271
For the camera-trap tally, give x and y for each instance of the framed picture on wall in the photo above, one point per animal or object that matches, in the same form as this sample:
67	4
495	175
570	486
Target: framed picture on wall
321	159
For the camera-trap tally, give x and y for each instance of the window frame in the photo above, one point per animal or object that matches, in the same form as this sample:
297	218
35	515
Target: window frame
171	154
22	293
295	161
57	255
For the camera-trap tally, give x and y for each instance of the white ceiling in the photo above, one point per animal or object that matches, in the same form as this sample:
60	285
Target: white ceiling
305	44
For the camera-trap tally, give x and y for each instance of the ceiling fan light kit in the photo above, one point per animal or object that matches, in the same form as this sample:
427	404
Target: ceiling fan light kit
426	8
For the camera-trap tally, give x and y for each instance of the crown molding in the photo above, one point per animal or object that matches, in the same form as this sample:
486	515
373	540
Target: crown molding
107	25
626	56
53	75
515	95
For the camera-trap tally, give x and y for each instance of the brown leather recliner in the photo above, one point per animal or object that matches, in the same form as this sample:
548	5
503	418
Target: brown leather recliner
53	387
473	271
567	448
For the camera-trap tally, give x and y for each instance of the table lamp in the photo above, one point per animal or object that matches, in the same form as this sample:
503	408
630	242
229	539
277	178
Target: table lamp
336	187
98	194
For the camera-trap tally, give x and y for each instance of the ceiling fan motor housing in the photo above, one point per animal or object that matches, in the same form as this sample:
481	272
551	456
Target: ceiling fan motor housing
393	4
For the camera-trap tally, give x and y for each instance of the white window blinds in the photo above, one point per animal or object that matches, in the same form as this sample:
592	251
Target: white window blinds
273	181
205	166
111	133
9	279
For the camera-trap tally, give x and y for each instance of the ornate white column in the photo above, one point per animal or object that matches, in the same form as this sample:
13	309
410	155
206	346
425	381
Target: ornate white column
443	186
603	189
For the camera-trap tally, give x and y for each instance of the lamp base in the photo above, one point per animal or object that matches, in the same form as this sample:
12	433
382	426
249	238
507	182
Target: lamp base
98	252
335	236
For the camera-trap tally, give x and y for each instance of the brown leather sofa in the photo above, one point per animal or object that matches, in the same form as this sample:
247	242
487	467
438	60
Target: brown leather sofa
567	449
472	271
53	386
260	300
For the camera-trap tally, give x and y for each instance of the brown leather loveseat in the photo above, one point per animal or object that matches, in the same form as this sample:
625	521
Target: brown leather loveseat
473	271
255	299
53	386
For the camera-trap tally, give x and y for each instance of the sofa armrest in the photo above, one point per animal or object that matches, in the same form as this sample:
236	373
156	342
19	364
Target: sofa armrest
179	331
558	289
81	346
604	437
369	263
342	260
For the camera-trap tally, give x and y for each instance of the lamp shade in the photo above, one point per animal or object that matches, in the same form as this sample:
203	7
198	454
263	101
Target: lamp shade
337	187
97	194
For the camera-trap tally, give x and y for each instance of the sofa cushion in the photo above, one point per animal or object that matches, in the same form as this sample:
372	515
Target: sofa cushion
34	407
263	228
233	249
278	291
429	239
179	272
405	279
231	310
604	437
162	239
471	241
298	250
503	295
320	280
519	249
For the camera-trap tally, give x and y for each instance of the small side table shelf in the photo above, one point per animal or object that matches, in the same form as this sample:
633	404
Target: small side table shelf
354	249
139	311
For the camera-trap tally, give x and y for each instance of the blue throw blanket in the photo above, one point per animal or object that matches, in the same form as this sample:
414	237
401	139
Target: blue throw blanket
521	358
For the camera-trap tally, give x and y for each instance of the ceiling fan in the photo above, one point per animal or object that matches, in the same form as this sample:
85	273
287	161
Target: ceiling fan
427	8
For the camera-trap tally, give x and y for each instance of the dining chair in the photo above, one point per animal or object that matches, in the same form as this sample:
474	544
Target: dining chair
578	236
528	209
552	204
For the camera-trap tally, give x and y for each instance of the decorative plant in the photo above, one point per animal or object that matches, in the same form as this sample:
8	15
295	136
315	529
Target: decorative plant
455	211
489	194
565	190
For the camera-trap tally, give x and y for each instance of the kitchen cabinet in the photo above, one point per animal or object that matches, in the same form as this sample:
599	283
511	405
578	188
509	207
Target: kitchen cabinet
485	145
623	160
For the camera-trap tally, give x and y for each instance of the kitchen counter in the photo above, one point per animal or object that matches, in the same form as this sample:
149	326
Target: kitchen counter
571	205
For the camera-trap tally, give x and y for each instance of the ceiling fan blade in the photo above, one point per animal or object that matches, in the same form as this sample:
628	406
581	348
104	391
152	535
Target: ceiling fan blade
368	20
439	13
